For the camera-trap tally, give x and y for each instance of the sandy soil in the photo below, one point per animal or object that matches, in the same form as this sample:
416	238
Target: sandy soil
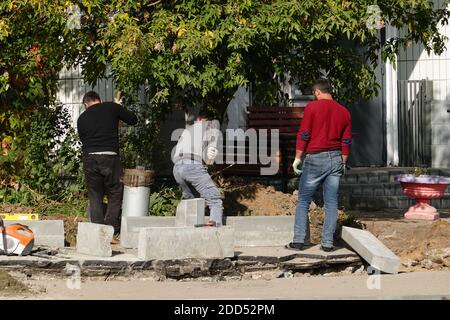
10	286
410	285
14	208
420	244
255	199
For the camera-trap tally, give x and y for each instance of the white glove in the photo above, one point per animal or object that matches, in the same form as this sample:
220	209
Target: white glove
296	165
344	169
211	153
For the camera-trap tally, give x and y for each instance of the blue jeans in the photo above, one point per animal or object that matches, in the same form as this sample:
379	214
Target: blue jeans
193	178
320	168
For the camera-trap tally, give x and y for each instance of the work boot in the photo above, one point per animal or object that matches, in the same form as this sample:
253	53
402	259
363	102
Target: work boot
298	246
116	239
326	249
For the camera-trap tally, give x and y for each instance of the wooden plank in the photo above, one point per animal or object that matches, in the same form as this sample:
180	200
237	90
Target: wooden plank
290	135
287	122
246	169
281	129
269	130
276	109
275	115
273	122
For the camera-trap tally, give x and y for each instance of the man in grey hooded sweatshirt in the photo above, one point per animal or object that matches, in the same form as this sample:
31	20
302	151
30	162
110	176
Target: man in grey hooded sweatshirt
197	148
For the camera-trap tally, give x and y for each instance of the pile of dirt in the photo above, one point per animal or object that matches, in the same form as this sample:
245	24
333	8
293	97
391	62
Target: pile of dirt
420	244
316	220
15	208
9	286
246	199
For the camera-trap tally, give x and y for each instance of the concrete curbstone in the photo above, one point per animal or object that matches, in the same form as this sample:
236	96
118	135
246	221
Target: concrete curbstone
94	239
170	243
49	233
190	212
371	249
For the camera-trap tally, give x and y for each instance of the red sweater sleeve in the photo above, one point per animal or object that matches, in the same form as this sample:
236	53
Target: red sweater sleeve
304	133
347	138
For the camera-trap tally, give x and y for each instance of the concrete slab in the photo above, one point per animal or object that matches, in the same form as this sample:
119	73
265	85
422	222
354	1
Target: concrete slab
190	212
314	252
265	254
127	263
130	226
94	239
49	233
262	230
249	231
302	264
185	242
371	249
69	258
281	254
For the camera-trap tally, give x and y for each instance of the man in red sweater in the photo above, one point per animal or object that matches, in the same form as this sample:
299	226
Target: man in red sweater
325	138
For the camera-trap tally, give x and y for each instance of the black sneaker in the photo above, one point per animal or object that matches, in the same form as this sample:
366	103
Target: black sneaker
295	246
326	249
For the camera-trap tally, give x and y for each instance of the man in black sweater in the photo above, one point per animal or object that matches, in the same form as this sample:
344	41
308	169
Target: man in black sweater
98	128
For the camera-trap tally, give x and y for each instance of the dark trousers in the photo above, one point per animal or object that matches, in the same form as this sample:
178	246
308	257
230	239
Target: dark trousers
103	174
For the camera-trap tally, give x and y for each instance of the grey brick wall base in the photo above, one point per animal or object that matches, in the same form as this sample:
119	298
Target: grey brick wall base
377	189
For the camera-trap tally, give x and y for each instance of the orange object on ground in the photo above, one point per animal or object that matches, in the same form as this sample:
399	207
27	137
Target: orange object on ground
15	239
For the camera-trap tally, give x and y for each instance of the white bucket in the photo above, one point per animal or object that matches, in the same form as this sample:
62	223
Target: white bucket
135	201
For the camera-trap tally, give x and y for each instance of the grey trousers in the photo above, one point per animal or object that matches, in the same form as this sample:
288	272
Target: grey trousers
193	178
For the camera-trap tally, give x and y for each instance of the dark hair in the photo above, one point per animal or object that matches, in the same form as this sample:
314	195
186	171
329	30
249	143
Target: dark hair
205	113
91	96
323	85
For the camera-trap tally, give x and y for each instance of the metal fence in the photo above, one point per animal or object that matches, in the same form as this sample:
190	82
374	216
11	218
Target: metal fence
414	118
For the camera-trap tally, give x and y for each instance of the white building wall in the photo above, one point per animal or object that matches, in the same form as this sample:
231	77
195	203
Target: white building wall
71	89
415	64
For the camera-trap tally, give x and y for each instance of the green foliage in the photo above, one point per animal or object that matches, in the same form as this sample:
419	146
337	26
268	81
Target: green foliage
317	217
349	220
197	52
30	59
68	207
417	171
140	144
48	169
346	219
164	202
53	159
19	194
246	213
185	53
